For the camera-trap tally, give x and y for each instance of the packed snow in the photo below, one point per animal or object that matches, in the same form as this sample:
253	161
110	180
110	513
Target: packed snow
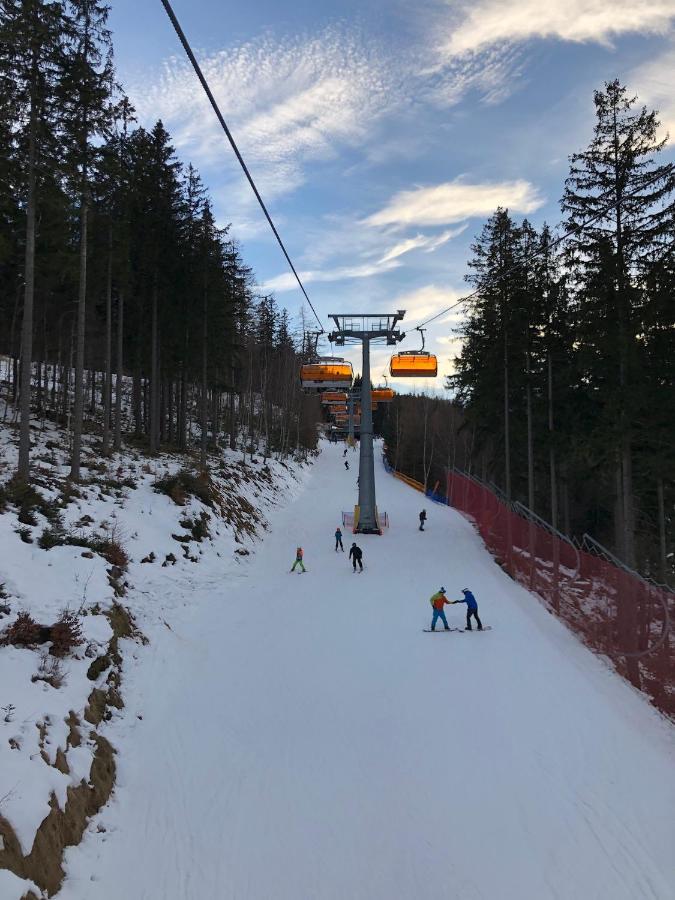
295	736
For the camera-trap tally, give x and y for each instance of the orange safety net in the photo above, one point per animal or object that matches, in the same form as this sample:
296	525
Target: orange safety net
613	610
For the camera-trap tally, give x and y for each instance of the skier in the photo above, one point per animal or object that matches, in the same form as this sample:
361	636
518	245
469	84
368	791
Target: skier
355	554
438	601
344	453
423	518
298	561
471	609
338	539
347	464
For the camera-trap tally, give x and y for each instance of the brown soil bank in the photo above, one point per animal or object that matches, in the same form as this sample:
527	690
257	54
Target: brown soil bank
64	827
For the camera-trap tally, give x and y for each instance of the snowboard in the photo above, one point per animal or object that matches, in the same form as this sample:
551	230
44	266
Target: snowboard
461	630
441	630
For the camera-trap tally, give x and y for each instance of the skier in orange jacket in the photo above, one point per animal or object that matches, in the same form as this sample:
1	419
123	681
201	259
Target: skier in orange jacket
298	561
438	601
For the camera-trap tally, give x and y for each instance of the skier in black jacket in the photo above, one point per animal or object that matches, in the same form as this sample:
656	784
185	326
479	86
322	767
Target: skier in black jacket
355	554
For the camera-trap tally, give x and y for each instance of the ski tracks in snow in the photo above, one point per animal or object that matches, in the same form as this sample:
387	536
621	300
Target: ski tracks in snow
302	740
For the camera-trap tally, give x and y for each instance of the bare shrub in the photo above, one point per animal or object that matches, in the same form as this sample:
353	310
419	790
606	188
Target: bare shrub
111	550
66	634
50	670
23	632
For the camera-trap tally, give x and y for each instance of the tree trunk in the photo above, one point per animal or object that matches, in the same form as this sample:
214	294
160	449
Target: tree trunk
182	410
554	489
23	470
507	442
154	376
137	396
204	398
119	374
78	415
233	412
628	501
619	528
530	444
107	376
551	448
663	554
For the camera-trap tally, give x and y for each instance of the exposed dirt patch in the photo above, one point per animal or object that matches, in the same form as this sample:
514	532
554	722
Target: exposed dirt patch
62	827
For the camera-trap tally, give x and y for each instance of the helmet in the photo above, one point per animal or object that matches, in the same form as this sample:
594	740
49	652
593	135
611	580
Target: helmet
442	590
466	591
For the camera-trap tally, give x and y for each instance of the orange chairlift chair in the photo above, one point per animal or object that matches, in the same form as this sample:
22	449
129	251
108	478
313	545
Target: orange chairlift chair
414	363
327	373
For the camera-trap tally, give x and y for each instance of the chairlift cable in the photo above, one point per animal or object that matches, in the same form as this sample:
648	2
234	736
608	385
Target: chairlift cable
200	75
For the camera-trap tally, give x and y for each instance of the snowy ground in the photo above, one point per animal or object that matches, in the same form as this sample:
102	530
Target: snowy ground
298	737
117	500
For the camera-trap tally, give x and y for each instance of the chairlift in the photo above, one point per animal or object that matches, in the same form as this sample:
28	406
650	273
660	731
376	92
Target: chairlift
414	363
327	373
329	398
382	395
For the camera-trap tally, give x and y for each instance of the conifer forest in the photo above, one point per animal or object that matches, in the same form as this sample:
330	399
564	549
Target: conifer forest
115	280
564	387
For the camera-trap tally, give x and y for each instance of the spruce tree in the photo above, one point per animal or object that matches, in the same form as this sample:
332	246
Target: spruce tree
30	70
85	95
615	201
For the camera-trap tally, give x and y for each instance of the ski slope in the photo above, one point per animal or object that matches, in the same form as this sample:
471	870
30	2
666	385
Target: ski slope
302	739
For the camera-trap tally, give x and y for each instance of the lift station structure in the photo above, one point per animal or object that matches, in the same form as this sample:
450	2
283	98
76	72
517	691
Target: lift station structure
365	328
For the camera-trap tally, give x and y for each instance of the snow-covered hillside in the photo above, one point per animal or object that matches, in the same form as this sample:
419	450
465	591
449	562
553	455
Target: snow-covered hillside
299	736
112	546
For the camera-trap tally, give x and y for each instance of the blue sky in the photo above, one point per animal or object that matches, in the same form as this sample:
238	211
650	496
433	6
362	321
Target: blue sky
382	134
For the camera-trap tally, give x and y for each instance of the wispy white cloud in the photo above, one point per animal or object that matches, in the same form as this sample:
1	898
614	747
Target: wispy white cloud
424	302
655	86
286	103
287	282
455	201
491	74
478	46
427	243
495	21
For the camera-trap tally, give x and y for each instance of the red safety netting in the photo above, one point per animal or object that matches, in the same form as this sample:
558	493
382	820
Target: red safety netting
612	609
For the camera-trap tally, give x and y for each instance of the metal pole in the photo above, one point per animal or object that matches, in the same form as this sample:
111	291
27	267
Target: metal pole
351	419
367	504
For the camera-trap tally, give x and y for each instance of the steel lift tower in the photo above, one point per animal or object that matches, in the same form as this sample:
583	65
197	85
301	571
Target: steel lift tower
352	328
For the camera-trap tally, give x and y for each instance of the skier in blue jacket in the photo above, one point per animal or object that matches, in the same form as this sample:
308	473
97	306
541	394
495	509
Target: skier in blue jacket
471	609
